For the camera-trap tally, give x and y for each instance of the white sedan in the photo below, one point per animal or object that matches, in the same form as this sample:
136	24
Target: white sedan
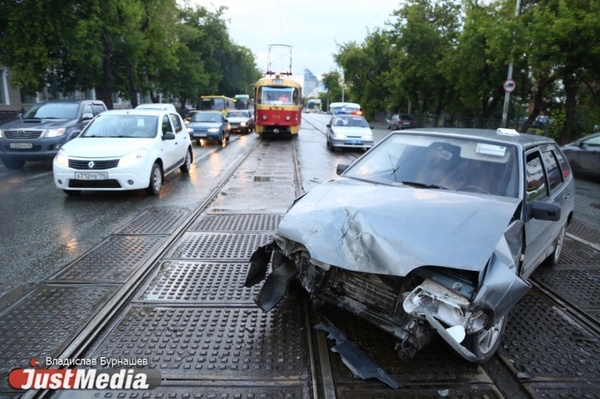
124	150
349	131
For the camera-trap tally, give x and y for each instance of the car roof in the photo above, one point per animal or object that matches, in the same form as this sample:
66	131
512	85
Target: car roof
507	136
163	106
136	111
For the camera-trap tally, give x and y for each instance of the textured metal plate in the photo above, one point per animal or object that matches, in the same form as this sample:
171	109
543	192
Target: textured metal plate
466	391
113	260
552	391
214	344
585	231
576	253
158	220
581	285
196	392
436	362
206	283
218	246
542	343
45	321
238	223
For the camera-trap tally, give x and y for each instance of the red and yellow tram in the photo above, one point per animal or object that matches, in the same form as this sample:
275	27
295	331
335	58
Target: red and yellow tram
277	106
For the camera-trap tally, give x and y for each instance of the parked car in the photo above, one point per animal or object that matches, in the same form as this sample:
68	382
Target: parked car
349	131
401	121
584	155
241	121
45	128
124	150
433	231
208	125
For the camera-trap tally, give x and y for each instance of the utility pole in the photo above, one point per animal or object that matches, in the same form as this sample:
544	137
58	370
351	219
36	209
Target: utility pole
509	79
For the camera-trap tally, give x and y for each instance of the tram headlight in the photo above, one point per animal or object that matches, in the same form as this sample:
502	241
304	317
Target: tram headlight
264	117
287	118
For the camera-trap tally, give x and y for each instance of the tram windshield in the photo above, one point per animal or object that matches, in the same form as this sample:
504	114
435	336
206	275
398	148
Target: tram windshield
278	95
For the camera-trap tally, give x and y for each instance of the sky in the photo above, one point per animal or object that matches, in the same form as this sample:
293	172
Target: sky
313	29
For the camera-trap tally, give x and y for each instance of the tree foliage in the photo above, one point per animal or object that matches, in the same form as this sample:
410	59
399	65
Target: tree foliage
135	48
454	55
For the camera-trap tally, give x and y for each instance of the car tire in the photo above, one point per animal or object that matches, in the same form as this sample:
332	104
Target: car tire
483	344
554	258
187	163
156	180
13	164
329	146
72	192
199	142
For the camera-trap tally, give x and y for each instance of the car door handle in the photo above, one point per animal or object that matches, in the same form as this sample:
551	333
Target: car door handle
568	196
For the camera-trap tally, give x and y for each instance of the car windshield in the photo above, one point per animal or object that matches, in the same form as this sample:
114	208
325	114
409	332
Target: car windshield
206	117
132	126
350	122
238	114
468	164
52	111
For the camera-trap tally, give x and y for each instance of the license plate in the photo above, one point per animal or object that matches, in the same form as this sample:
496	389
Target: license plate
353	141
91	175
199	135
21	146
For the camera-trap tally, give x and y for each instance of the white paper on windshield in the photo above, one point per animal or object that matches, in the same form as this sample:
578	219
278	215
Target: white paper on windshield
490	149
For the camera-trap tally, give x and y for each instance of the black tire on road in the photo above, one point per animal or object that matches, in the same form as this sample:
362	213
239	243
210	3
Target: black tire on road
187	164
14	164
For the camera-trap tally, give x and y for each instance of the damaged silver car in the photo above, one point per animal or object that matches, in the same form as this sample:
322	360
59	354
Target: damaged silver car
433	231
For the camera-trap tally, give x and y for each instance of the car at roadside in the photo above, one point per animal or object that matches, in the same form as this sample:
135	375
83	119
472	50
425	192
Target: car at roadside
44	129
349	131
432	232
124	150
208	125
584	155
241	121
401	121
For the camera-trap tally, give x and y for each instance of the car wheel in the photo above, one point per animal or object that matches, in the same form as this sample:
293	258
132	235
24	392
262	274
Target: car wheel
553	259
483	344
72	192
199	142
156	180
187	164
329	146
13	163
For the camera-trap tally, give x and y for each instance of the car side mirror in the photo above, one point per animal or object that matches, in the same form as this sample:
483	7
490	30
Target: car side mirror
87	116
168	136
341	168
329	125
543	211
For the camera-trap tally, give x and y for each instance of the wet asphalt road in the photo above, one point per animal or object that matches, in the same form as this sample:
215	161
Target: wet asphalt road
42	229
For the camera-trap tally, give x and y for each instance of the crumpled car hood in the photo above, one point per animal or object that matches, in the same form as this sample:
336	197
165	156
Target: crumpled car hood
392	230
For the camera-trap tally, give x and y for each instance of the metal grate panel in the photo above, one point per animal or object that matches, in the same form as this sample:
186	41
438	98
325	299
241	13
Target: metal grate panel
557	391
45	321
585	231
216	344
114	260
218	246
239	223
196	392
158	220
467	391
207	283
576	253
580	285
559	348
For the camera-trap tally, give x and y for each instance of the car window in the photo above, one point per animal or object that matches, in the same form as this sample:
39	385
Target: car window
176	122
536	180
97	109
87	109
166	125
592	141
552	169
564	165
